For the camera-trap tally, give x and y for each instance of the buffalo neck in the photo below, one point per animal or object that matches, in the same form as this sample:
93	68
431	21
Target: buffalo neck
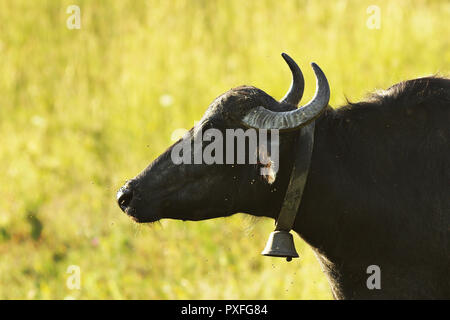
327	209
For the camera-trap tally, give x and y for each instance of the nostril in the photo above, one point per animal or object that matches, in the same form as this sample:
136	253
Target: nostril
124	197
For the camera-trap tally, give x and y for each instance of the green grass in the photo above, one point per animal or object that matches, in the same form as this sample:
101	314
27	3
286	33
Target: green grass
80	113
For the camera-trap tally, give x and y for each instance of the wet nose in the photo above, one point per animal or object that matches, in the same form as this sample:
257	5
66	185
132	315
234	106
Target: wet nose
124	196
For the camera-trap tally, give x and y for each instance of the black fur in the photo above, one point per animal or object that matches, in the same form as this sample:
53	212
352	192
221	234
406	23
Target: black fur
379	192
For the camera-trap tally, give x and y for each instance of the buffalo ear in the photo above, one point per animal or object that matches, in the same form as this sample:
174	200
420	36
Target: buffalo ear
267	165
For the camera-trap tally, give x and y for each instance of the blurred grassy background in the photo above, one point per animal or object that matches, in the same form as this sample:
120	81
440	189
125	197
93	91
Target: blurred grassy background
83	110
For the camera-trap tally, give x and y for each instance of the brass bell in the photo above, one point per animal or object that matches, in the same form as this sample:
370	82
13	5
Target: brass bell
280	244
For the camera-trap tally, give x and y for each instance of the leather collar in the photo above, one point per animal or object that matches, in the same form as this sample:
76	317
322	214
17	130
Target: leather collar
297	182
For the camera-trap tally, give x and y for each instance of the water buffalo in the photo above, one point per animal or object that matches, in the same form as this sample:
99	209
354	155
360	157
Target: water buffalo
377	195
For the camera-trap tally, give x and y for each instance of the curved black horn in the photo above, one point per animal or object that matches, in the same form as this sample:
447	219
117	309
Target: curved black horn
295	93
262	118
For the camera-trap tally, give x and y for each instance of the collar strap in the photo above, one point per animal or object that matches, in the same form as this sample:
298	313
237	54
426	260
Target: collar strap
297	181
281	242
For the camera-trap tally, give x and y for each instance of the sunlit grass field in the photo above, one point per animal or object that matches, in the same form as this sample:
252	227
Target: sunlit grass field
83	110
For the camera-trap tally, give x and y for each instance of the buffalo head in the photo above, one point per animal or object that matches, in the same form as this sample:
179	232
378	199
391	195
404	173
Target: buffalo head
178	186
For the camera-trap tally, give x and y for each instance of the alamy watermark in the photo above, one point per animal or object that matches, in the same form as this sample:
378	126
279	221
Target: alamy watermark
234	146
374	280
74	20
374	19
73	281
